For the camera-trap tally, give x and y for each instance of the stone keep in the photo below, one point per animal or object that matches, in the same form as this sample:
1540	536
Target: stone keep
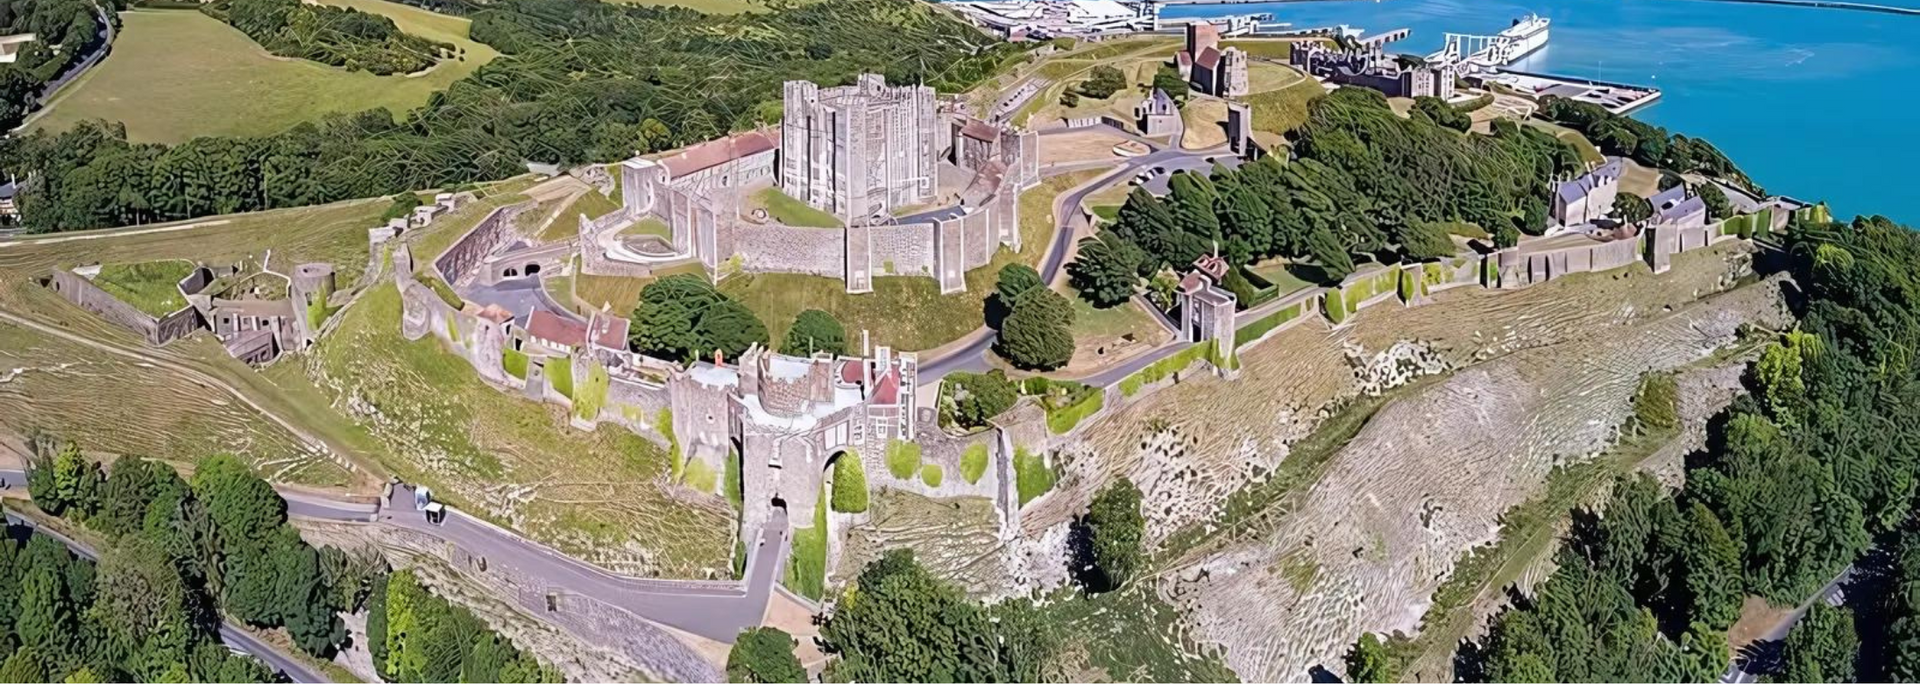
858	151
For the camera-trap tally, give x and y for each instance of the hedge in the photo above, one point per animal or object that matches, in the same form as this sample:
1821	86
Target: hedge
560	375
1260	328
1062	420
932	475
1160	370
903	459
1405	286
849	484
736	488
1335	306
973	463
514	362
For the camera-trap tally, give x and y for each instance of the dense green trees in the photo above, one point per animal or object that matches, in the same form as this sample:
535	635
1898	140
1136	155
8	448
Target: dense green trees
763	655
901	624
1796	479
1650	145
1034	321
578	81
1368	661
1117	533
1631	208
1102	82
1822	646
1439	112
815	331
684	318
342	37
1364	184
423	638
1168	79
65	31
1106	271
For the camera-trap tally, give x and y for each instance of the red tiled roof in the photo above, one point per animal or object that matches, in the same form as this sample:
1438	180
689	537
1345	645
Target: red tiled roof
850	372
979	130
608	331
1208	58
713	153
886	390
545	325
1182	58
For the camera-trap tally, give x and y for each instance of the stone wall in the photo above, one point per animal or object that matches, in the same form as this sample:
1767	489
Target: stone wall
634	403
783	249
467	254
901	249
160	330
1520	269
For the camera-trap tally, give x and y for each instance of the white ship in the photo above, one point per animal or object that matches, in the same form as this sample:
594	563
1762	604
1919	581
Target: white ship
1528	33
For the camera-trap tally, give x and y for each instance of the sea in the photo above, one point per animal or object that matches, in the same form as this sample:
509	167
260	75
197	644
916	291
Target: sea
1814	103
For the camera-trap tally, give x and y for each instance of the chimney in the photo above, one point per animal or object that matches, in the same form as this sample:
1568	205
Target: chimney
719	359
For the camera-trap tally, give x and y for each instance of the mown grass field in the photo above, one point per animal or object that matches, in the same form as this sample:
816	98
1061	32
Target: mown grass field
176	74
150	286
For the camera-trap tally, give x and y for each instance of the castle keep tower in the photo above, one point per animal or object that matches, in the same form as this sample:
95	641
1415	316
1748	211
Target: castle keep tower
860	150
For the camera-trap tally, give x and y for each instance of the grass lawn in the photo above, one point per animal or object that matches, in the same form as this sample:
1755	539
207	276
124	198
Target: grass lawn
1095	324
1286	276
649	226
1206	121
591	203
153	287
1282	110
807	567
905	312
793	212
1031	475
1106	212
177	74
1265	76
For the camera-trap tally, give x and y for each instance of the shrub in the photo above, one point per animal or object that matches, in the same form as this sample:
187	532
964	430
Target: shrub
903	458
849	484
560	375
1657	404
973	463
815	330
1260	328
1405	286
514	362
807	567
978	397
764	654
931	474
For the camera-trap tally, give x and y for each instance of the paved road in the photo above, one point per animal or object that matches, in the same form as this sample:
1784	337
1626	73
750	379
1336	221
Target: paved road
1741	670
231	634
972	358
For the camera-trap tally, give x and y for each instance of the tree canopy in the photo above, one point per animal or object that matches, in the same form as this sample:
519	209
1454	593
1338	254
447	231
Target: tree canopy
1117	532
901	624
682	317
577	81
815	331
763	655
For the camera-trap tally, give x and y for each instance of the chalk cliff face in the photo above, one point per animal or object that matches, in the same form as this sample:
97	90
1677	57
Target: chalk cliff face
1359	542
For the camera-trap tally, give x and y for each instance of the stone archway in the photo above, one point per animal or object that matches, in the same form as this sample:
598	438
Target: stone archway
532	269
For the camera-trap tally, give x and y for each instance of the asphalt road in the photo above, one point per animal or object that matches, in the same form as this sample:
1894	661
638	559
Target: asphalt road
972	358
234	637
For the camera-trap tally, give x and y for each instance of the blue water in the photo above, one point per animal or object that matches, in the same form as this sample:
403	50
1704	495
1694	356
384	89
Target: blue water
1818	104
